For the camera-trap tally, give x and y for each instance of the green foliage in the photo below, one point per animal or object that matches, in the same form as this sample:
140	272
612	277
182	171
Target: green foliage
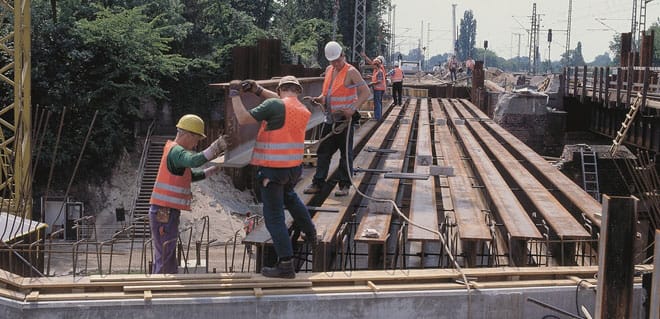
308	40
467	36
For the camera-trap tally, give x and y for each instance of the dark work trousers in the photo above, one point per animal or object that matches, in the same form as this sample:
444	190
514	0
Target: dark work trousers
397	91
327	148
277	194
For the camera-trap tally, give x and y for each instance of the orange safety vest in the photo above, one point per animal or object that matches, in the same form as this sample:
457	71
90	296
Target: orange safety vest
339	96
379	83
171	190
283	147
397	76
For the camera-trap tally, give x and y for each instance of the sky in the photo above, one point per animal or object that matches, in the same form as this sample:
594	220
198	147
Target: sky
593	22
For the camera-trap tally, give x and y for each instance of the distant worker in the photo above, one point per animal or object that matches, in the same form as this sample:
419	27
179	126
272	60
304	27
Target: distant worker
378	83
469	65
396	76
452	64
172	193
278	154
344	91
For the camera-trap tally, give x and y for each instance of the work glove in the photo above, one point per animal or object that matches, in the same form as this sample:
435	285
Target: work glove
235	88
251	86
212	170
217	147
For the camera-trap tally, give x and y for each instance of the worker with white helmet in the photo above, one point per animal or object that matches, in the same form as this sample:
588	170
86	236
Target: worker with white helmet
378	83
343	92
278	154
171	193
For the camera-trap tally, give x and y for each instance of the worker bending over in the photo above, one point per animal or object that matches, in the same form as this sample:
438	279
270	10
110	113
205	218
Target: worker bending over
278	153
172	193
344	91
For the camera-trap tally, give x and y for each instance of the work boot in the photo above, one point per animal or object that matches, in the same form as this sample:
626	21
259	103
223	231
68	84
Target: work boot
283	269
314	188
342	191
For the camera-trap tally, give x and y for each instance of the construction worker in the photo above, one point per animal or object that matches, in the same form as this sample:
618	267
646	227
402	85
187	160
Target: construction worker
396	76
452	64
378	83
172	193
469	65
344	91
278	154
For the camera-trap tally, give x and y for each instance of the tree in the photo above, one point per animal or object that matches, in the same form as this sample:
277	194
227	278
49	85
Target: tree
602	60
577	58
468	36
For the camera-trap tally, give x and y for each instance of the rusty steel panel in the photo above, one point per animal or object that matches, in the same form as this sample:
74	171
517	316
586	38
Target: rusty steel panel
423	210
464	198
560	220
242	137
508	207
379	214
590	207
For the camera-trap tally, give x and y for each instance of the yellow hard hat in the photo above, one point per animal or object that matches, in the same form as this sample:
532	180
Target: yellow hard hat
192	123
289	79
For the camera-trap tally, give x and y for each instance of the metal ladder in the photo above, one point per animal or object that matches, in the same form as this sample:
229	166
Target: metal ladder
621	134
589	171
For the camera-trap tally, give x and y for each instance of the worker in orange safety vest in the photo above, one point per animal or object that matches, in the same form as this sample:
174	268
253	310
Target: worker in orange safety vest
171	193
396	76
278	154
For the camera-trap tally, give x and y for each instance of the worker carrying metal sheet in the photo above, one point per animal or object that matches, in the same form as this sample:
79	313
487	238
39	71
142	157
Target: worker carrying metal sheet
172	193
278	154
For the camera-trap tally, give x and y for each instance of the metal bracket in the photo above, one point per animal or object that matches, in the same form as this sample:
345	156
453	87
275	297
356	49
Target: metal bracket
379	150
371	170
407	176
322	209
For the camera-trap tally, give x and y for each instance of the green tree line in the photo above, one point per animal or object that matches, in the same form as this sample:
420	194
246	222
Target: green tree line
116	56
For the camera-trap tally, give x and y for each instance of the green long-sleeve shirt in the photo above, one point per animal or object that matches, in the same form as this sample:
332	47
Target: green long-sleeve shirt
179	159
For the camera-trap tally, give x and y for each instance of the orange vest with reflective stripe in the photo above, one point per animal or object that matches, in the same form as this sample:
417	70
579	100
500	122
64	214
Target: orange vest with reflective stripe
171	190
339	96
283	147
379	83
397	76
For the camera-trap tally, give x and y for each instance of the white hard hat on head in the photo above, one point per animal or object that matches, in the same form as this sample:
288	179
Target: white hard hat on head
381	58
332	51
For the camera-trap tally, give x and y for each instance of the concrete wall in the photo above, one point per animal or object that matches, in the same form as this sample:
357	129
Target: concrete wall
454	304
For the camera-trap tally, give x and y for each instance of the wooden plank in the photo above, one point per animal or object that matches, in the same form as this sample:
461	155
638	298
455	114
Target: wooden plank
614	297
559	219
506	203
379	214
423	210
577	196
251	285
463	197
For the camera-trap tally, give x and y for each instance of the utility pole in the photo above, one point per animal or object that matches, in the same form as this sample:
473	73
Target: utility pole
568	31
359	29
428	41
453	27
518	56
335	10
532	43
633	26
393	33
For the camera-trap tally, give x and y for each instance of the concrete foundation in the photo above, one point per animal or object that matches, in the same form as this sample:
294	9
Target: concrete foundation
486	303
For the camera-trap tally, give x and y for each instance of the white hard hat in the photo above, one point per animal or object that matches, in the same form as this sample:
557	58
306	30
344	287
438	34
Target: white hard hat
381	58
332	51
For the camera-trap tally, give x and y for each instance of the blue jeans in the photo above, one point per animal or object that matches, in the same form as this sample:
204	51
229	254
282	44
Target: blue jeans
329	147
164	236
378	104
276	195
